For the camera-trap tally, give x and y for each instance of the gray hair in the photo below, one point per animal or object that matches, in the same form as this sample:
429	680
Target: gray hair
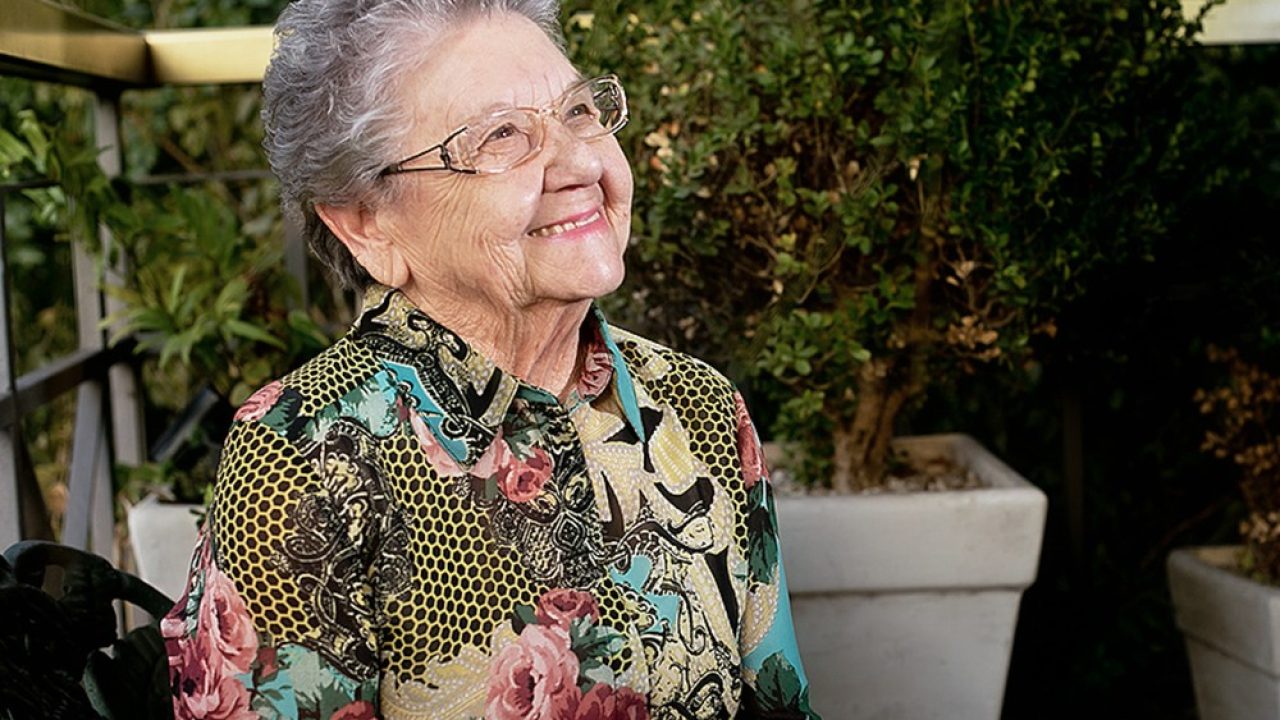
331	100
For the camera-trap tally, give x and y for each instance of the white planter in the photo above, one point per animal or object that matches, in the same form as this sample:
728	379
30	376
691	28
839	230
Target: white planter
905	605
1232	627
163	536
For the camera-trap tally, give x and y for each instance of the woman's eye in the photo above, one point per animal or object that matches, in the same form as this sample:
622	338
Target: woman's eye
501	132
580	110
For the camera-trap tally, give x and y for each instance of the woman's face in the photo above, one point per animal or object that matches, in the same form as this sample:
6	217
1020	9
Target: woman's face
510	240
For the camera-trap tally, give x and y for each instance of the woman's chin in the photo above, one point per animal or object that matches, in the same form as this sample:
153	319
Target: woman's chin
586	269
584	281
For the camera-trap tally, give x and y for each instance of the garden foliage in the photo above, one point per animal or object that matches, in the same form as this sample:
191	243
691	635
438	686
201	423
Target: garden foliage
1245	415
210	302
1077	145
876	198
206	293
881	197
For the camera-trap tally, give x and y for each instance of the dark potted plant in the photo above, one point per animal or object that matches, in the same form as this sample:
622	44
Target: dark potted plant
1226	598
848	203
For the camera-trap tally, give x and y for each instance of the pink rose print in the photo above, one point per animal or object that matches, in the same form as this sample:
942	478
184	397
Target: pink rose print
521	481
606	703
173	628
225	622
534	678
518	480
204	666
597	368
497	455
358	710
753	465
561	607
261	402
201	688
441	461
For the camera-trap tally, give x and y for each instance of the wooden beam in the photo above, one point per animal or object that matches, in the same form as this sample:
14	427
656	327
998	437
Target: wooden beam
212	56
50	42
44	41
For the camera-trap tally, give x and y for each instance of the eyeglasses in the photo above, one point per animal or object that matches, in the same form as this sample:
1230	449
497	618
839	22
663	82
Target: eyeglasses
500	141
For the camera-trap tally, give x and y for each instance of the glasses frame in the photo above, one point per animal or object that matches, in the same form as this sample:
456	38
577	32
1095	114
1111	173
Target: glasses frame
446	159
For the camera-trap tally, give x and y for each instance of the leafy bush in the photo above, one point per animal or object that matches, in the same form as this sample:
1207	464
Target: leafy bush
882	197
209	291
203	287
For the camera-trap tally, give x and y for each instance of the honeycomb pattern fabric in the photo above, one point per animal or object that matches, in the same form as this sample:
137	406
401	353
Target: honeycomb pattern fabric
401	529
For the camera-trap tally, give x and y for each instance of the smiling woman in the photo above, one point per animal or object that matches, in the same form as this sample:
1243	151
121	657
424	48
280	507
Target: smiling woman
483	501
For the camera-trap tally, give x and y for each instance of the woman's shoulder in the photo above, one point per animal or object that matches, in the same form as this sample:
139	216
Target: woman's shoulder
289	404
336	404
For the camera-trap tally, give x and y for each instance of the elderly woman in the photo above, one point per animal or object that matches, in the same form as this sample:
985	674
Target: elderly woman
483	501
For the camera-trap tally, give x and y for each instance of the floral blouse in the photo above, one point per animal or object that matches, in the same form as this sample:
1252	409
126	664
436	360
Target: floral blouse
401	529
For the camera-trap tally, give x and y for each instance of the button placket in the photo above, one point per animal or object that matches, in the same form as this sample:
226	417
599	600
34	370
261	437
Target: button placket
578	530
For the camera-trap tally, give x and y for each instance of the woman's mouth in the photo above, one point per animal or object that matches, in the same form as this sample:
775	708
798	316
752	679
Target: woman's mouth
565	226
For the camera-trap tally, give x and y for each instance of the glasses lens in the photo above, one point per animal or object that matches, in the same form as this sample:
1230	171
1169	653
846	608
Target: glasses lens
598	107
497	142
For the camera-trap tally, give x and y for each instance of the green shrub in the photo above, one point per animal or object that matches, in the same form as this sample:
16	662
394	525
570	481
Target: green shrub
880	197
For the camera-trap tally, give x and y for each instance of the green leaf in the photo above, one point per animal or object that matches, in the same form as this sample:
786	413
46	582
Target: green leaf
232	296
778	685
594	672
12	151
174	299
253	332
523	616
762	534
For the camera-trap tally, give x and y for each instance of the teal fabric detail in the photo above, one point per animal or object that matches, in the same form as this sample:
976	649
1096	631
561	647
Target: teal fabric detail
372	403
622	382
277	693
321	688
430	411
781	636
667	606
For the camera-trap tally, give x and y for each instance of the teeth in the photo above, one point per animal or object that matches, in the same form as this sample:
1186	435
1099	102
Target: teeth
565	227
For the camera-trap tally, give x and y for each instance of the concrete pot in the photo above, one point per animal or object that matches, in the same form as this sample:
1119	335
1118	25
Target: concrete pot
905	605
163	536
1232	627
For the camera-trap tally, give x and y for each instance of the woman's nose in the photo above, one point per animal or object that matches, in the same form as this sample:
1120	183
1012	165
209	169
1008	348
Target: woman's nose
570	161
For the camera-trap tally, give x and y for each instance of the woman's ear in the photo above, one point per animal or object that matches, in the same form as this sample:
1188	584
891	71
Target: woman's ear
358	228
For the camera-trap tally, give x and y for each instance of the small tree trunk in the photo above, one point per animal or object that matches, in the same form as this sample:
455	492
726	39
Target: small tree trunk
862	443
856	465
884	385
843	457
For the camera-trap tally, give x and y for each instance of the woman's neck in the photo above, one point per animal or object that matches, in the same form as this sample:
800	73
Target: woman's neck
538	343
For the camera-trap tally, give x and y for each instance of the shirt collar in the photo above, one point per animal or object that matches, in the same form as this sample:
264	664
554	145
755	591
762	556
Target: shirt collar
462	395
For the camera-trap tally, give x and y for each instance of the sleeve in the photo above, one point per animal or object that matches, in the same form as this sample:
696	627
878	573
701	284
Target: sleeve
275	621
775	685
